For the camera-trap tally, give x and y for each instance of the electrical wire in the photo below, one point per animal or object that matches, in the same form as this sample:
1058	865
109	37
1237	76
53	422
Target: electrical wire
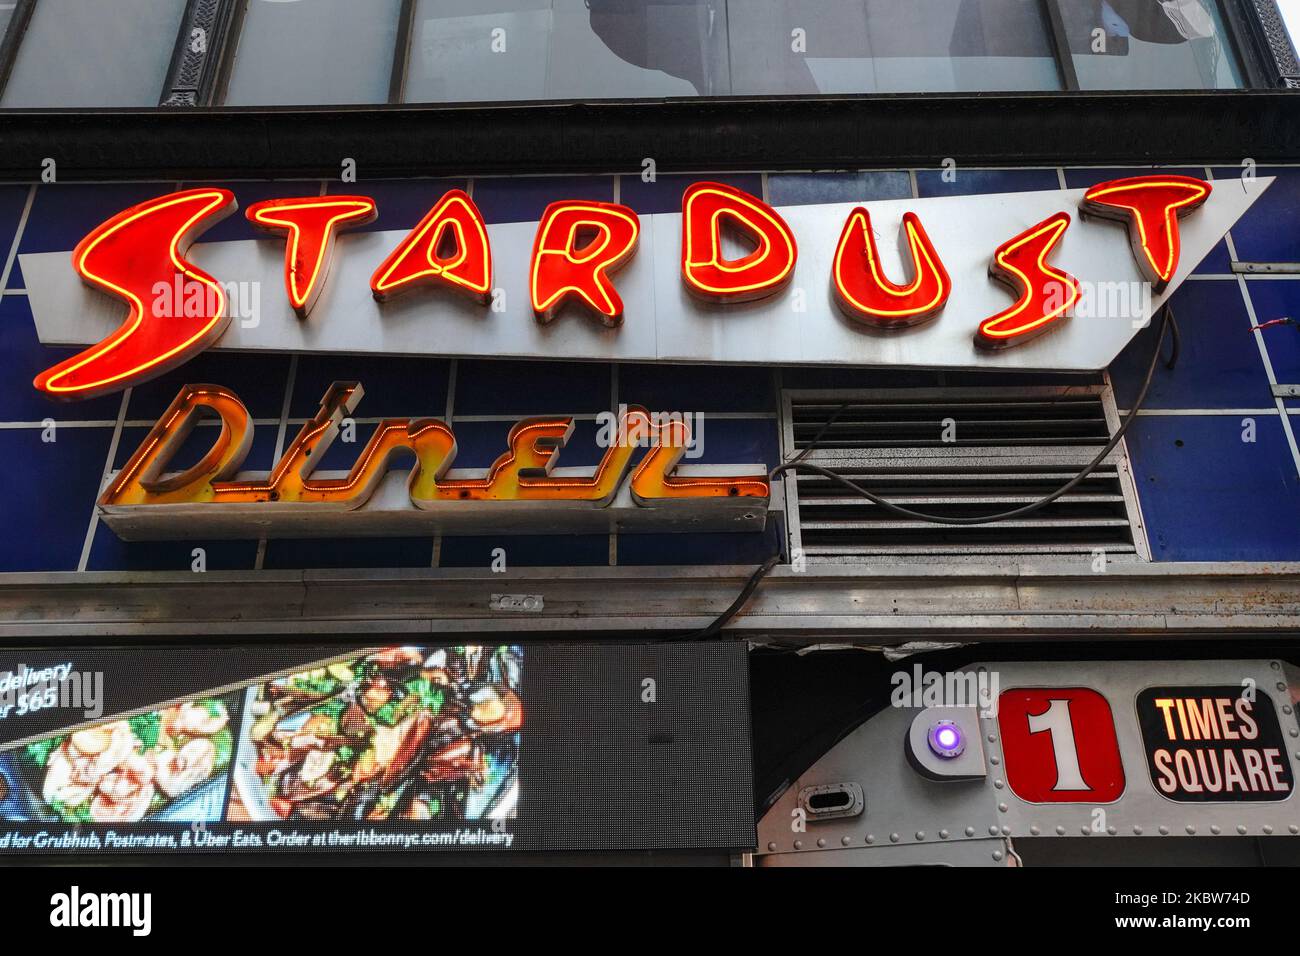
797	464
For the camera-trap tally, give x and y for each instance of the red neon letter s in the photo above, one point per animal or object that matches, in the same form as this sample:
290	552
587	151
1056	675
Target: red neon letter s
417	258
706	209
1045	294
864	292
139	256
312	223
1151	207
563	268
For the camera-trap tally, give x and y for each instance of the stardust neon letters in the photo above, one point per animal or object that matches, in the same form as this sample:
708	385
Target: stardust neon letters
311	225
129	256
525	472
585	256
1150	206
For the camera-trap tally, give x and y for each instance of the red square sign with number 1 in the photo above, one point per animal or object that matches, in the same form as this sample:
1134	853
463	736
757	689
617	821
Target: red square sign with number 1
1059	745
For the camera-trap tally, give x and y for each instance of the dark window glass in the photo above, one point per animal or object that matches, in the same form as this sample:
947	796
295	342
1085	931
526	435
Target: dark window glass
94	53
560	49
884	46
1149	45
314	52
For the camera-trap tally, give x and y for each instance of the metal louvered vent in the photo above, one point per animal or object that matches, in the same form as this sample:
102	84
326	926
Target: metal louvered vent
958	452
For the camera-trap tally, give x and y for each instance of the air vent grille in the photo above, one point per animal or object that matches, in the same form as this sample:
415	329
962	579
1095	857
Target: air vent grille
957	452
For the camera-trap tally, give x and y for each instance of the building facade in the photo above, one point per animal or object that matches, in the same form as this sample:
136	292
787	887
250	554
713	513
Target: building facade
739	432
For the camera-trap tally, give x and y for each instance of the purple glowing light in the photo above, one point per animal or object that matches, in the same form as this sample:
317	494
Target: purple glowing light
946	739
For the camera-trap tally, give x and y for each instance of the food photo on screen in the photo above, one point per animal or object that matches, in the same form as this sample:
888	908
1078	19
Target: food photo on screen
404	734
166	765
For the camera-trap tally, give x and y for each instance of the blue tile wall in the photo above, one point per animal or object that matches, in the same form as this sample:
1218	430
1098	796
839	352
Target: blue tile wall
1205	494
1208	496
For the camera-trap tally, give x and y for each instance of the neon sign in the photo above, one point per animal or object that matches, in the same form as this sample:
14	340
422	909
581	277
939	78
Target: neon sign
526	474
584	254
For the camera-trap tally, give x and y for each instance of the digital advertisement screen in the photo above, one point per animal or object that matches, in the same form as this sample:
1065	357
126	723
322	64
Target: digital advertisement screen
407	746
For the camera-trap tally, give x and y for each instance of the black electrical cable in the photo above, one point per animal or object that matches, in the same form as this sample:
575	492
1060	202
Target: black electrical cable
796	464
1176	345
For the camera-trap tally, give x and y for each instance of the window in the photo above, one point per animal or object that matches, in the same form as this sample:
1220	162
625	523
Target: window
563	49
84	54
314	52
883	46
1149	45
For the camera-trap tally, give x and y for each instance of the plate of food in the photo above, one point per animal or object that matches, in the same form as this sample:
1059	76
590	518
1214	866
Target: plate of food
406	733
168	764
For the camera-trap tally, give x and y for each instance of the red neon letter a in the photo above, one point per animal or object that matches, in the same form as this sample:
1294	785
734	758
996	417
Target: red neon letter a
422	257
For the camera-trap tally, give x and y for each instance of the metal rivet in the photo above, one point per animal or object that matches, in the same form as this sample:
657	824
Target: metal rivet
845	841
1190	829
1164	830
1293	828
993	738
771	846
970	831
920	835
1275	665
1111	830
1006	831
1085	829
994	760
998	784
1268	829
1137	830
1281	686
997	855
894	838
1002	807
1034	830
943	834
1060	831
993	831
1241	829
871	838
1286	708
821	843
1215	829
798	844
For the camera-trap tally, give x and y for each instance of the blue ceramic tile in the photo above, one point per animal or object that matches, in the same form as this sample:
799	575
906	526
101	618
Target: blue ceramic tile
394	387
797	189
258	378
486	387
1274	299
1267	233
522	199
400	203
22	357
806	377
695	548
665	193
1217	261
541	550
737	441
62	215
236	225
1219	365
967	182
388	552
111	553
1208	496
50	492
697	388
12	200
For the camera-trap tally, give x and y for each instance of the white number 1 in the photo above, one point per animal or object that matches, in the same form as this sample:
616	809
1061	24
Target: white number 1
1056	721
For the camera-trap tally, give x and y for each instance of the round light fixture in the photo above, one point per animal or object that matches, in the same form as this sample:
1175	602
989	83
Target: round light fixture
946	739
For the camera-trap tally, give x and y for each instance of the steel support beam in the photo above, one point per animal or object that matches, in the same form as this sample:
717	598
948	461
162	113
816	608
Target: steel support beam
885	605
1021	129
